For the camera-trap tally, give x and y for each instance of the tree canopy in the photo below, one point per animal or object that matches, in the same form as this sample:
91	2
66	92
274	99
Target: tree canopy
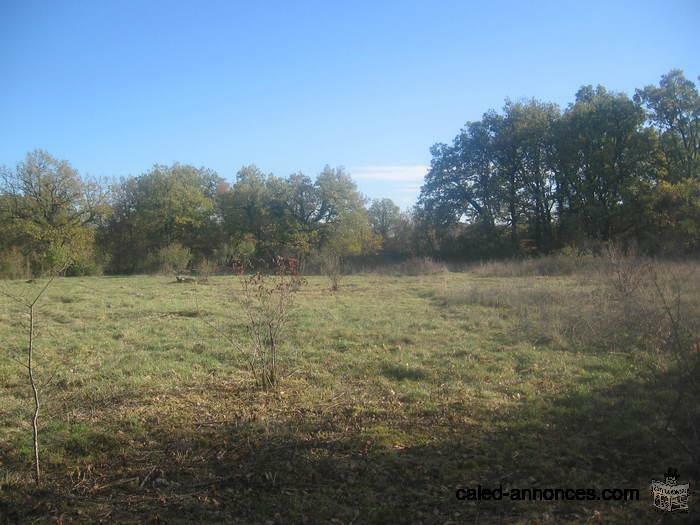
530	178
535	178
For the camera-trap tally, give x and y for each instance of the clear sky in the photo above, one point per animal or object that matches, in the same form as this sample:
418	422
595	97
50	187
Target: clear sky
116	86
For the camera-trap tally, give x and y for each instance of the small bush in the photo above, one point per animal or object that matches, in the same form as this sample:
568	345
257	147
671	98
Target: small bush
268	301
204	269
332	266
228	254
83	267
172	258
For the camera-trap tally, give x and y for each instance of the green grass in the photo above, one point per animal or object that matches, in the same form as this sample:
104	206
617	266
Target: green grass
399	390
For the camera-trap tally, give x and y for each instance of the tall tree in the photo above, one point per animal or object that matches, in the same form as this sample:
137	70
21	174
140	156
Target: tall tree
527	167
164	206
604	154
384	216
674	107
51	210
461	183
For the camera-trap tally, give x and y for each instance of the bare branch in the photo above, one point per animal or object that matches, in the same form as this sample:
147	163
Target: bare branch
42	291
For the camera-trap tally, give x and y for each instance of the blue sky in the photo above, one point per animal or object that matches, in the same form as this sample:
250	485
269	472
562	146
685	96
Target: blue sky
115	87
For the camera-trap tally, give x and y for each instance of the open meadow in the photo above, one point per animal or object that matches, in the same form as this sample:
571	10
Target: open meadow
349	263
396	391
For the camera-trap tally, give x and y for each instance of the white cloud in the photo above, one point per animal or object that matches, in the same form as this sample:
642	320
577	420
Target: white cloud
413	173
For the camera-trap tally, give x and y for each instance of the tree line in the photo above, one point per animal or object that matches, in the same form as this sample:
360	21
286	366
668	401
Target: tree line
179	216
528	179
533	178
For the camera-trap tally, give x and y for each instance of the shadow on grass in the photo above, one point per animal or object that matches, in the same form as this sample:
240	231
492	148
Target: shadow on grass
348	464
403	372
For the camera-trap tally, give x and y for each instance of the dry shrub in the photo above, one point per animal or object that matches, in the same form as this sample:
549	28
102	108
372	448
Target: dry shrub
618	302
172	258
267	301
332	266
614	303
204	269
660	303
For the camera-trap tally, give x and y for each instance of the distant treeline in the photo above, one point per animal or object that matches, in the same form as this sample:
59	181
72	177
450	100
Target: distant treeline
530	179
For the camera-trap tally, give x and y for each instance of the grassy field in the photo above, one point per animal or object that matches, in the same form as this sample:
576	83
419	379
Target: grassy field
398	390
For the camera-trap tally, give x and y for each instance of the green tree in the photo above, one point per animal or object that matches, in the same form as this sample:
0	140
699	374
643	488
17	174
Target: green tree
605	159
674	108
50	211
327	212
165	206
526	152
384	216
244	208
462	186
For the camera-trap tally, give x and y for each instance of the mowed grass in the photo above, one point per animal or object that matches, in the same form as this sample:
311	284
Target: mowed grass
397	391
